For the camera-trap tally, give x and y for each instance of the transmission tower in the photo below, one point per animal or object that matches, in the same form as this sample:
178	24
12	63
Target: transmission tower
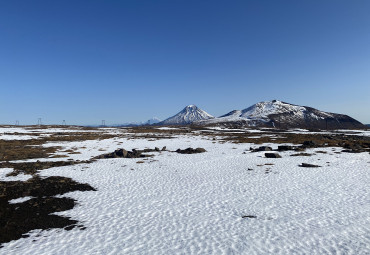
64	123
17	122
39	123
103	123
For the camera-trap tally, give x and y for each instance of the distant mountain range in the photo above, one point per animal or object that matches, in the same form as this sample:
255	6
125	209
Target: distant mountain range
273	113
151	121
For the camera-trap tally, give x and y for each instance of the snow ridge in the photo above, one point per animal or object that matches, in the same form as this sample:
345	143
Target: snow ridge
263	111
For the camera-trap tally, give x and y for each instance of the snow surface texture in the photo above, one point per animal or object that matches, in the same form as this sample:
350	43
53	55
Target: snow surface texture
189	114
19	177
19	200
193	204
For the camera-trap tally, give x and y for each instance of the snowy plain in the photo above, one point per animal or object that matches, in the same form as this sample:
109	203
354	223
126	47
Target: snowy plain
194	204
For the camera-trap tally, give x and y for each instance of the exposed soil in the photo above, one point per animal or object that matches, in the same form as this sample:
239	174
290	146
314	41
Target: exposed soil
18	219
32	167
30	149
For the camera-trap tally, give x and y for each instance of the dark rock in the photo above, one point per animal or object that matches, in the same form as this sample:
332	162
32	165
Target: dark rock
309	144
249	216
164	148
200	150
156	149
302	154
122	153
285	148
352	151
261	148
308	165
272	155
264	148
191	151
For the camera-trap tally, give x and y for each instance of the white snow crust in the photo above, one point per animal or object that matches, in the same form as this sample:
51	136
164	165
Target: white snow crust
19	177
193	204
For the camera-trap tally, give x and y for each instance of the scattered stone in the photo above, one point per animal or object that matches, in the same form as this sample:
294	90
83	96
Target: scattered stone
354	149
285	148
156	149
309	144
191	151
308	165
249	216
264	148
164	148
301	154
122	153
272	155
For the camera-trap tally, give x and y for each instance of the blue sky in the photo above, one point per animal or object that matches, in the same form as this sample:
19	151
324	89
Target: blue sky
84	61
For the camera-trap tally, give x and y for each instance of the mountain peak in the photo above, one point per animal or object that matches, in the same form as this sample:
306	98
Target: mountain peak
191	107
189	114
277	113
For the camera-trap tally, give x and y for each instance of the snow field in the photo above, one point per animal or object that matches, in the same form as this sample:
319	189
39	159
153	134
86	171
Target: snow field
193	204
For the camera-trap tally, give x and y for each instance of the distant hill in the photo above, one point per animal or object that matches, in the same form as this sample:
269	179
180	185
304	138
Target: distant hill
280	114
152	121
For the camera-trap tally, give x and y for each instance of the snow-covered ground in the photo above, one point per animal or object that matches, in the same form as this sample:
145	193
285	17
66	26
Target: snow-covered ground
193	204
20	177
28	133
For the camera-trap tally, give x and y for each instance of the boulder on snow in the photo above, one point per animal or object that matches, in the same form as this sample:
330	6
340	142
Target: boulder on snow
191	151
261	148
272	155
308	165
285	148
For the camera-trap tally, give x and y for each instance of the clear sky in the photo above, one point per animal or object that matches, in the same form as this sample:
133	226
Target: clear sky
84	61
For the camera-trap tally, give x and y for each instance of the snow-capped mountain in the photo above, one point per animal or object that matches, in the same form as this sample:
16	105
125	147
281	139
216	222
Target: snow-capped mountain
276	113
188	115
